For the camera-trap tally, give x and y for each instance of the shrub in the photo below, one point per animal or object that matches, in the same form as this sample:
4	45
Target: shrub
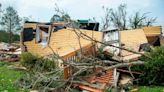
28	60
153	70
41	74
36	63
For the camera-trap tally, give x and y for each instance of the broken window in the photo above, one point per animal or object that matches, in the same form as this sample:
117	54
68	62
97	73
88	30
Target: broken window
42	35
28	34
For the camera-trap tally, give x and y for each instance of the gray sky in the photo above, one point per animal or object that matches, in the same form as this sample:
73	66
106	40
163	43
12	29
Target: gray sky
42	10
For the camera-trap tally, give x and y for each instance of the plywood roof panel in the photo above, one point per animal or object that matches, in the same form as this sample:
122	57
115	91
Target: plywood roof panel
63	42
132	39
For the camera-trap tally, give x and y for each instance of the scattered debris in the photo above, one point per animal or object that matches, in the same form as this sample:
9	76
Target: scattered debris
9	52
124	49
34	91
125	79
133	90
101	80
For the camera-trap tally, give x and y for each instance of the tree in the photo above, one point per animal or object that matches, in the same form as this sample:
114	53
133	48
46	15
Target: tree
10	21
66	17
150	21
138	20
106	19
4	36
60	15
0	8
0	11
118	17
58	18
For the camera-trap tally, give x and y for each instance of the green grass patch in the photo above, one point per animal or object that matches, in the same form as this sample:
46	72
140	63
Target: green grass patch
150	89
8	77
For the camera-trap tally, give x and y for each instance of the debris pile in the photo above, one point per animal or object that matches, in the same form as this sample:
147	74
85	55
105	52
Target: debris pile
9	52
82	70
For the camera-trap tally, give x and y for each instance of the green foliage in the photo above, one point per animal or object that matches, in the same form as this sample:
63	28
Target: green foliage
119	18
40	81
150	89
4	37
41	74
36	63
2	63
58	18
139	21
153	70
10	19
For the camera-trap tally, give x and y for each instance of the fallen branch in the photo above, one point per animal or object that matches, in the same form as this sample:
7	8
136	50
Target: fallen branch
119	65
84	36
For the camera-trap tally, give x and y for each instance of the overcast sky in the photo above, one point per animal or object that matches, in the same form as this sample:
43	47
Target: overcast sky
42	10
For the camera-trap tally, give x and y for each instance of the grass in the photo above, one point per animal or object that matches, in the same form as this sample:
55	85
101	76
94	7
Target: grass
150	89
7	78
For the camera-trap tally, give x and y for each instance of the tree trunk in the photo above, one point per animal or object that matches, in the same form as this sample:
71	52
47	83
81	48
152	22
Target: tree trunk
10	33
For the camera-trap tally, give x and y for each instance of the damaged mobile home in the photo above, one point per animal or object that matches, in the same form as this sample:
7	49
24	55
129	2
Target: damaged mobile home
45	39
154	35
138	40
48	38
